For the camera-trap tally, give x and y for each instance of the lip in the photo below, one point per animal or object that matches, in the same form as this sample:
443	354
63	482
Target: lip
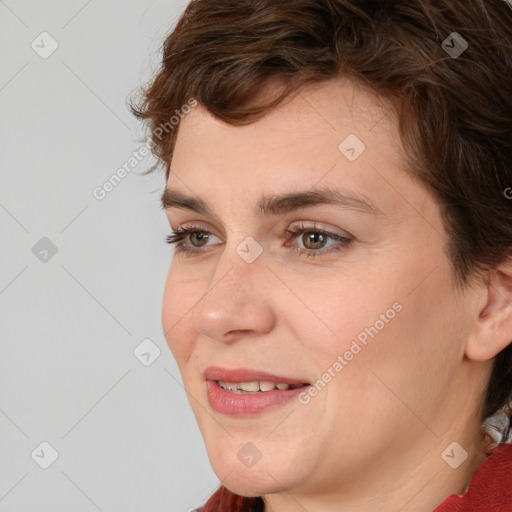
240	404
246	375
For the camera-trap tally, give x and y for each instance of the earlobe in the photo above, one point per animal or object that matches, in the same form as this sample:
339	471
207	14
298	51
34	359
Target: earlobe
493	327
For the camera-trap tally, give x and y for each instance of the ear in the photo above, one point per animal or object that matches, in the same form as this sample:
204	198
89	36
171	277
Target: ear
493	327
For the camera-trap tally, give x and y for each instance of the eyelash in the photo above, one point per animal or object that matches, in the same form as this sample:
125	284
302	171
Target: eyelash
177	237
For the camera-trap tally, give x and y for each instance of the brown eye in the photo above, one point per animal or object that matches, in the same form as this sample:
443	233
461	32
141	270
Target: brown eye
316	242
201	237
313	240
190	240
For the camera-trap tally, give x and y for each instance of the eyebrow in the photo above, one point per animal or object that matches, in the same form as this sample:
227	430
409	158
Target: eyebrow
278	204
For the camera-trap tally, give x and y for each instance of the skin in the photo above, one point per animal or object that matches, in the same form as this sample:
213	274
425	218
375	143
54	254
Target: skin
373	437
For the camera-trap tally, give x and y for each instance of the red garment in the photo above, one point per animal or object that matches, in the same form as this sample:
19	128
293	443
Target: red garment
490	489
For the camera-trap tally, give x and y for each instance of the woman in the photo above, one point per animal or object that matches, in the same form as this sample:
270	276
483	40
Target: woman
339	301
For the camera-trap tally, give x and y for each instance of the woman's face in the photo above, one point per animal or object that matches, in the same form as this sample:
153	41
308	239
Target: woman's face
370	320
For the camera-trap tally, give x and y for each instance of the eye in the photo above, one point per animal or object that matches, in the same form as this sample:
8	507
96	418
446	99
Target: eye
313	239
191	240
197	236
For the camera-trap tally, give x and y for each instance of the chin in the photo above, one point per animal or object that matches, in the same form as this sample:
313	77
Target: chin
254	483
266	476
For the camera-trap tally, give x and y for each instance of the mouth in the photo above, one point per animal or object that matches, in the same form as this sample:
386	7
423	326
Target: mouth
255	386
251	381
242	391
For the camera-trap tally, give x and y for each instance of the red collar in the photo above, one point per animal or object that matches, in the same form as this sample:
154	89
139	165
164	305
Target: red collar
490	489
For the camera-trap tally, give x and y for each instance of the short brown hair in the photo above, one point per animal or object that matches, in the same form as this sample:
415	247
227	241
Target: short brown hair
454	111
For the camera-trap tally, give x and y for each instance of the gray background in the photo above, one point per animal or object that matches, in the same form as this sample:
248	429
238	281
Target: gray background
69	323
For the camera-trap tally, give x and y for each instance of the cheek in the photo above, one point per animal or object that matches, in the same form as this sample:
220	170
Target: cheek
406	334
338	314
405	363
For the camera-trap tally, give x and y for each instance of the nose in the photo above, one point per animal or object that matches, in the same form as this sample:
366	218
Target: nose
237	300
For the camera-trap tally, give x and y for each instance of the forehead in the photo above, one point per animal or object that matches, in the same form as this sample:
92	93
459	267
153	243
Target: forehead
331	107
330	134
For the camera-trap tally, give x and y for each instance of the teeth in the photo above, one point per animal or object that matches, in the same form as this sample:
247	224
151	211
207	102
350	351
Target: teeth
252	387
267	386
249	386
